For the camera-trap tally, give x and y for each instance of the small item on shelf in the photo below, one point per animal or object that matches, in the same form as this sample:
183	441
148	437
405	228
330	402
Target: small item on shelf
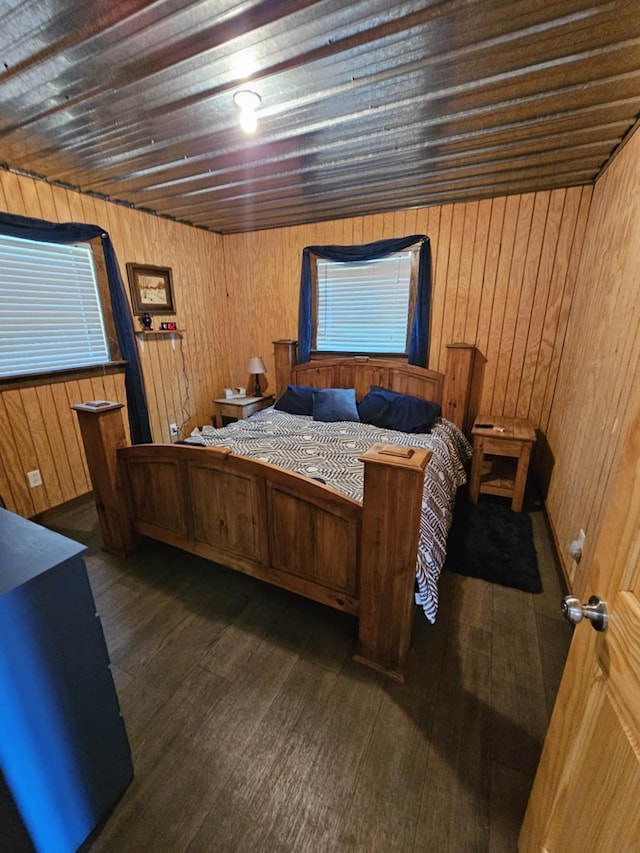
234	393
97	404
395	450
146	321
168	326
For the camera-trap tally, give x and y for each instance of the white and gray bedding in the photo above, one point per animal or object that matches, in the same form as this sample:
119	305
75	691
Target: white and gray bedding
329	452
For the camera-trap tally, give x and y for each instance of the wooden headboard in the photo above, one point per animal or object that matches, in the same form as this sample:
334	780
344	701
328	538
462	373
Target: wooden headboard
451	389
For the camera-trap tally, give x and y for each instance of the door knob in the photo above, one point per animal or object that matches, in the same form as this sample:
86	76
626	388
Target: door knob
595	611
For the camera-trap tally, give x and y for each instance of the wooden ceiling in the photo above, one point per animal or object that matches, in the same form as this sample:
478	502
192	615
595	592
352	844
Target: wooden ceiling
366	106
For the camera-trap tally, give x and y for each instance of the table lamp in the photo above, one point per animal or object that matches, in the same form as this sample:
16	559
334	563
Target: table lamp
257	368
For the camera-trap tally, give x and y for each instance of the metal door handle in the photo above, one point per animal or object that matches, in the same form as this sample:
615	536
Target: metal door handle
595	611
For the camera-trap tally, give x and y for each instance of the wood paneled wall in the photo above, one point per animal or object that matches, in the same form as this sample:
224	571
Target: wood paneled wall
182	374
38	430
599	377
504	274
509	273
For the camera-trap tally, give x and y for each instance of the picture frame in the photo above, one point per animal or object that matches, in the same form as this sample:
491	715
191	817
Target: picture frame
151	289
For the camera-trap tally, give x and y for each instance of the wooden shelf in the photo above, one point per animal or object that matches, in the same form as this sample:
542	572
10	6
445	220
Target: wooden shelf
159	333
153	332
498	476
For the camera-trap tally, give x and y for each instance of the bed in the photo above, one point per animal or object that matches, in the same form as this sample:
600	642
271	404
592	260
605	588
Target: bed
363	536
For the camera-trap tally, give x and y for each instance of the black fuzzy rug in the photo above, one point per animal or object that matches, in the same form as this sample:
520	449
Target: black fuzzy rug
488	540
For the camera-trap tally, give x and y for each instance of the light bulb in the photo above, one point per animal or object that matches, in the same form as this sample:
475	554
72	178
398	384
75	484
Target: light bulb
248	102
248	121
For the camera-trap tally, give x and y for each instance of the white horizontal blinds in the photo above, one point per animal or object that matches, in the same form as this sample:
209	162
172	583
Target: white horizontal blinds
50	312
363	306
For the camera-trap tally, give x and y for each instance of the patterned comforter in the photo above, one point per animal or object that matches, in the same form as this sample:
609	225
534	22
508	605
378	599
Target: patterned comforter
329	452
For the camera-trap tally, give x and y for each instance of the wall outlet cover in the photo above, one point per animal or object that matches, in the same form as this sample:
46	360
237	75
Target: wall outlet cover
35	478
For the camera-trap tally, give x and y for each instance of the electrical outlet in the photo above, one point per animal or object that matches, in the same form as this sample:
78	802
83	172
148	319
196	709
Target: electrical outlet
173	429
35	478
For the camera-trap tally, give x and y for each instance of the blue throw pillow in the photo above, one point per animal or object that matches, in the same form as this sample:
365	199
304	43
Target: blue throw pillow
296	400
335	404
402	412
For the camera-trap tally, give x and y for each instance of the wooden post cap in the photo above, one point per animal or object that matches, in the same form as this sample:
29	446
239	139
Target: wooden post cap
415	458
97	406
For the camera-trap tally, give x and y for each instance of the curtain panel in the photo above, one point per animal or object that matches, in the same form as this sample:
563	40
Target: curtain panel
76	232
419	333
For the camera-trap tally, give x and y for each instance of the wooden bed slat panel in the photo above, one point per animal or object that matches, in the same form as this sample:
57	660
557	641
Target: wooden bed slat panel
404	382
228	510
156	494
312	541
361	379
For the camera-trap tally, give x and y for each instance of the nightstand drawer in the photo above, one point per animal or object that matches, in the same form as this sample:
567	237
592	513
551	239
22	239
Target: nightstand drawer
501	446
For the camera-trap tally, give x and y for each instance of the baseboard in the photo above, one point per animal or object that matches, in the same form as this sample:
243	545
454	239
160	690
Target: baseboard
565	562
51	513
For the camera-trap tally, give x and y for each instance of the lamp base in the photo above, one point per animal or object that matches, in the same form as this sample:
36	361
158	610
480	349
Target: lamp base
257	390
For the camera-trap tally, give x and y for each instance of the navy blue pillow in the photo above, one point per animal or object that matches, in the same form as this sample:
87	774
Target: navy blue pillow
296	400
335	404
402	412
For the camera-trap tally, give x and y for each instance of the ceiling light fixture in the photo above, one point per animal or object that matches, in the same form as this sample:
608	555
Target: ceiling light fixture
248	102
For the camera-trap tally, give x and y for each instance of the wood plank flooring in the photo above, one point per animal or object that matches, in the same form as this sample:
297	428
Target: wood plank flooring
253	730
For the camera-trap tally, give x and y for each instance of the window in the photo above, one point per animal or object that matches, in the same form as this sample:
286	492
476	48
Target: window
375	298
50	311
364	306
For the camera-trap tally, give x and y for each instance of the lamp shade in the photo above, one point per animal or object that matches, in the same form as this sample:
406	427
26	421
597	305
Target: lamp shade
256	365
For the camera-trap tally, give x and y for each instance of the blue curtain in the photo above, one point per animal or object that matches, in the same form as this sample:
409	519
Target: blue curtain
75	232
419	336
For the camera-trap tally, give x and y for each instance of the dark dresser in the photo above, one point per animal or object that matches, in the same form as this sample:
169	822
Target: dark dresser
64	753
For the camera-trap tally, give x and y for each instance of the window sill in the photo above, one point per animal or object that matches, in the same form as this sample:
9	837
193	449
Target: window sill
387	356
11	383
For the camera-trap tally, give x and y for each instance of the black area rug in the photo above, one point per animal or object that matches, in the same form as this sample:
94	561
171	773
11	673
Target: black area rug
488	540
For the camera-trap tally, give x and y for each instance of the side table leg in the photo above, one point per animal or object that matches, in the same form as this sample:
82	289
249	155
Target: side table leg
476	470
521	478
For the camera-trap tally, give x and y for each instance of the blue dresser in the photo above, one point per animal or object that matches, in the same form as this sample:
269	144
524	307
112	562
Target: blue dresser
64	753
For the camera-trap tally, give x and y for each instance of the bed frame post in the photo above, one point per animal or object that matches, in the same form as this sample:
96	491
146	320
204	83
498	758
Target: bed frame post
391	508
286	357
457	384
103	432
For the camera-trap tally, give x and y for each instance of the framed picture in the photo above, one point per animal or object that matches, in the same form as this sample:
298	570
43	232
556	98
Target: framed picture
151	289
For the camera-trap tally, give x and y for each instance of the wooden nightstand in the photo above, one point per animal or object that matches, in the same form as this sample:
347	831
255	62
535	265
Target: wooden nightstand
239	408
501	454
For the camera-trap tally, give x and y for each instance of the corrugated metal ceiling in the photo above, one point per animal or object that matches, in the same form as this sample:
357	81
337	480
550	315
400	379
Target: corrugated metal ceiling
366	106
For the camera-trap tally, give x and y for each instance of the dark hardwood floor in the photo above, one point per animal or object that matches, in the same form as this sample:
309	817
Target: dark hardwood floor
253	730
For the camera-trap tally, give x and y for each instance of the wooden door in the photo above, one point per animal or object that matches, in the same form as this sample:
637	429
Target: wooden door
586	795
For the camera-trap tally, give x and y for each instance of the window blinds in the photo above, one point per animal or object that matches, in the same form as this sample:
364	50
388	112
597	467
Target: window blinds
363	306
50	312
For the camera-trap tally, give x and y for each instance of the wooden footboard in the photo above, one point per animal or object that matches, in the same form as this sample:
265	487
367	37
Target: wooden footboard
273	524
249	515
